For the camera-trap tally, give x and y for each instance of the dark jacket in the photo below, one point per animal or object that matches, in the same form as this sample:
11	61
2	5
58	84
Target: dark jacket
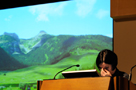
120	73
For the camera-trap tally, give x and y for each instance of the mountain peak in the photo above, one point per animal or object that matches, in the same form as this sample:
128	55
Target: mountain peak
42	32
14	35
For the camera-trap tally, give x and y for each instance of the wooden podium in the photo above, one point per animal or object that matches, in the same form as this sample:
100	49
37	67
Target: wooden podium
95	83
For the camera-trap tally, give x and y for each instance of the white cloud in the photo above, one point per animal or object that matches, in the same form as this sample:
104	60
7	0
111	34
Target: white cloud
8	18
110	35
84	7
59	9
102	13
44	11
42	17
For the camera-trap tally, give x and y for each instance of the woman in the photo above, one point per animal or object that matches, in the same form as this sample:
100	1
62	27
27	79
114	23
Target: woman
107	62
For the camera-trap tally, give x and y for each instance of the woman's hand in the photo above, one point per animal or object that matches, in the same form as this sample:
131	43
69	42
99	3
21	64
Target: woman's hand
105	72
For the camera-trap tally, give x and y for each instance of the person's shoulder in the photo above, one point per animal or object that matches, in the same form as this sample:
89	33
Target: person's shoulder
124	75
121	73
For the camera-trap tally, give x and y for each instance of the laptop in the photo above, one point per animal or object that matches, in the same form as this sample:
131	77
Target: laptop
81	73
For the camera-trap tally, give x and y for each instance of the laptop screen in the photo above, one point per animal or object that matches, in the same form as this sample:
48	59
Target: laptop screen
80	73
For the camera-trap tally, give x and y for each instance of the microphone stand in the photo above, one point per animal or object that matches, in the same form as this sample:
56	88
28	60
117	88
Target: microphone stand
130	75
65	69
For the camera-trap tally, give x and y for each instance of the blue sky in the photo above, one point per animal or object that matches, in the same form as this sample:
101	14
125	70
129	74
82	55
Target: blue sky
74	17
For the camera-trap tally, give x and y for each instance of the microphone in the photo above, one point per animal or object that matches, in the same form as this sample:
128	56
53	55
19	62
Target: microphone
66	69
130	74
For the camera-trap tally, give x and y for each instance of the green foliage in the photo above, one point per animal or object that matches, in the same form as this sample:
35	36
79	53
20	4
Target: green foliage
9	88
51	52
1	88
22	86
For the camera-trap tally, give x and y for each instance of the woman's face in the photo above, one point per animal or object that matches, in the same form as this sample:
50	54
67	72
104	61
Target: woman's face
106	69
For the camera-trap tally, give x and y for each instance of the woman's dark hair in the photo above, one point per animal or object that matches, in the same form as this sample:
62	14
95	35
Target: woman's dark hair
108	57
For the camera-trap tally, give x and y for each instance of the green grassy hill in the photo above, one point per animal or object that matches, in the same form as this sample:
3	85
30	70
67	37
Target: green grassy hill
8	63
39	72
56	48
52	49
55	54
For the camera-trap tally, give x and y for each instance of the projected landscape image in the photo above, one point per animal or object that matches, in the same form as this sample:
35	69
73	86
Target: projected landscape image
38	41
